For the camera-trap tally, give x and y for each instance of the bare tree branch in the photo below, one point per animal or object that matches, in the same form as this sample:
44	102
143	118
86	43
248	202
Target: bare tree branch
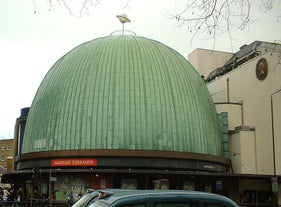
126	6
266	5
76	8
217	17
213	17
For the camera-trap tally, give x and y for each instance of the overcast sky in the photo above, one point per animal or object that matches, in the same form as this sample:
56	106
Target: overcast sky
31	42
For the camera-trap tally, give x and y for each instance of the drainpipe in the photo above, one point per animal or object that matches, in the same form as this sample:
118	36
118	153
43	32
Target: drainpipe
274	179
272	130
227	89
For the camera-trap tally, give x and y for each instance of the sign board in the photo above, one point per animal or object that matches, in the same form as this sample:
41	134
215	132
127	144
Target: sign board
88	162
219	185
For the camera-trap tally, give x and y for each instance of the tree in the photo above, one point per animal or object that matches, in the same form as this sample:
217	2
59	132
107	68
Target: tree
75	8
215	17
208	17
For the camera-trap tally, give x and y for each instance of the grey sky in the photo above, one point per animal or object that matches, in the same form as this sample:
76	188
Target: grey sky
30	43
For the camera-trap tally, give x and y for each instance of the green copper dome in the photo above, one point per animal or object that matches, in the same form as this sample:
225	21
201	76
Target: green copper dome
123	92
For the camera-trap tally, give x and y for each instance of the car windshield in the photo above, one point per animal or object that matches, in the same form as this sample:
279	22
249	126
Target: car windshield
84	200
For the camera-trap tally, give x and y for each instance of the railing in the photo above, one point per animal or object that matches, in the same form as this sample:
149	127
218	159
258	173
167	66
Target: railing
122	32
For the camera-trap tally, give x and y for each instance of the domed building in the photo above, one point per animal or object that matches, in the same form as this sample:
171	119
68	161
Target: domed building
121	111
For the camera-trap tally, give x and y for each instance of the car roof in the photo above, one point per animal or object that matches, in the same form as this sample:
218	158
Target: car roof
116	194
127	192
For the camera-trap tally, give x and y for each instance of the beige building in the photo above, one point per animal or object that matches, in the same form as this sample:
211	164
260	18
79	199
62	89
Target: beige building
7	154
6	158
211	59
248	87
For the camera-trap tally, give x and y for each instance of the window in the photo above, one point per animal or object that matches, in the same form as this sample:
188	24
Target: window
8	147
103	204
85	199
216	204
3	148
2	158
175	204
134	205
99	204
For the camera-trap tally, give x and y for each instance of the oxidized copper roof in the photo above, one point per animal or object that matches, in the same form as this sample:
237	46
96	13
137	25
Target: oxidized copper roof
123	92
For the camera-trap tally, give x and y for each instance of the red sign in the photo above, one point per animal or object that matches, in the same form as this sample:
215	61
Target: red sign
74	162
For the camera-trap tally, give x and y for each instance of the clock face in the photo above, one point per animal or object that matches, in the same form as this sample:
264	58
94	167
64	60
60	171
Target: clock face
261	69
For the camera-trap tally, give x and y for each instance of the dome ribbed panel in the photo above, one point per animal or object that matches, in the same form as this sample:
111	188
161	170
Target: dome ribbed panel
123	92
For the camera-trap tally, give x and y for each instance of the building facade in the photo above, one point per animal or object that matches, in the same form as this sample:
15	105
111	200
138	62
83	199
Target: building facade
7	154
6	157
248	88
120	112
130	112
208	60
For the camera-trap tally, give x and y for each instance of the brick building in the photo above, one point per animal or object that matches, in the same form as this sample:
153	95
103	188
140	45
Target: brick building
7	154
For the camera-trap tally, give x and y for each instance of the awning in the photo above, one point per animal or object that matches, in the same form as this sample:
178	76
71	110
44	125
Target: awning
12	176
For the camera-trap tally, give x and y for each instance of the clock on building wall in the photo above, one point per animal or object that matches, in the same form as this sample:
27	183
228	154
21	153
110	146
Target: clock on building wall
261	69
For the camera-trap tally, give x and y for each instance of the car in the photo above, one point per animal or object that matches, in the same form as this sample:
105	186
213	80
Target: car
91	196
160	198
87	198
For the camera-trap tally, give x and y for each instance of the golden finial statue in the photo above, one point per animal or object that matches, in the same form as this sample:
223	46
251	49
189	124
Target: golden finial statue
123	19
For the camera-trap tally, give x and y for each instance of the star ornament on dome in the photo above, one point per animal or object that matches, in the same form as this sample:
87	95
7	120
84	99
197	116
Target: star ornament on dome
123	18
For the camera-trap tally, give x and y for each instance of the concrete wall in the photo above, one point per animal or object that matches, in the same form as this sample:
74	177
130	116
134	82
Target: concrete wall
207	60
242	86
235	113
243	152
